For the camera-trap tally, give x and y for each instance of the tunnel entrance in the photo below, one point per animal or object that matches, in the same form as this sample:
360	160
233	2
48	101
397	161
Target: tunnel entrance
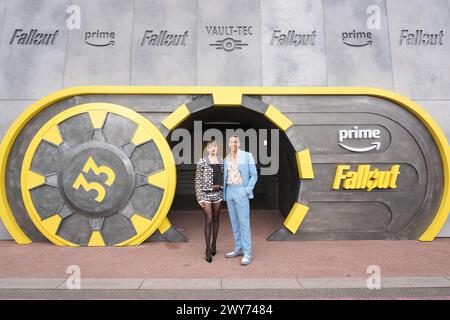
277	187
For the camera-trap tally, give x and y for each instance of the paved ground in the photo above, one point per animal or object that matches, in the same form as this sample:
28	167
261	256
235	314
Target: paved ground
280	269
329	259
220	284
241	295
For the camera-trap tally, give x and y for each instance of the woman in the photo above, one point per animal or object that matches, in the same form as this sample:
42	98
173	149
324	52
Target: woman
209	194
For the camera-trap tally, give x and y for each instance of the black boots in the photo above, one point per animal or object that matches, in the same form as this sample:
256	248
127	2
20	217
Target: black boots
208	257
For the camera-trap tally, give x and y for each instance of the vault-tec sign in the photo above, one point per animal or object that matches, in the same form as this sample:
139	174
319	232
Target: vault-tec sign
81	169
229	36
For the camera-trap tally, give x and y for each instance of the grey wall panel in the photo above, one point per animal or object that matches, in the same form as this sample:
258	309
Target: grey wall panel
9	111
420	71
4	234
293	62
167	54
357	43
2	14
99	53
32	62
229	62
445	231
440	111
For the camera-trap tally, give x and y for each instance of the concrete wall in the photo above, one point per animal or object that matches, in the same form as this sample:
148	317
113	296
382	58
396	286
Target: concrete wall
74	56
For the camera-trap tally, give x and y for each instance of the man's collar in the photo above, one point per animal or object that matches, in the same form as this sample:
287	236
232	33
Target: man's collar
237	153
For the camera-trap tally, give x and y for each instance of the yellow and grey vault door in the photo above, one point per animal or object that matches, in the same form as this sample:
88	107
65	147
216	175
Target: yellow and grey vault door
92	166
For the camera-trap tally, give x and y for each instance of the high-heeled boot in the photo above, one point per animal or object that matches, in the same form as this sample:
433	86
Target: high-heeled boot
208	257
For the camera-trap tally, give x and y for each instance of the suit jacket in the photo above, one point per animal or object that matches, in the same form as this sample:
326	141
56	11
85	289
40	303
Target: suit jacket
247	168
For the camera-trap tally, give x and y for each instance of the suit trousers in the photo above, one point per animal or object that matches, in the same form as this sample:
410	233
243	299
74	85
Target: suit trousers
238	206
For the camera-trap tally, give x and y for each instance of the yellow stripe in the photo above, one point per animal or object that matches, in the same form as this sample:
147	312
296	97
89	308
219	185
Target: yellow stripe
52	223
141	136
98	118
96	240
34	180
304	164
140	223
278	118
176	117
164	226
228	97
159	179
296	217
53	136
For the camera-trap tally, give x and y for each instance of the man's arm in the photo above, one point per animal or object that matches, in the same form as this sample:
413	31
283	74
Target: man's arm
253	174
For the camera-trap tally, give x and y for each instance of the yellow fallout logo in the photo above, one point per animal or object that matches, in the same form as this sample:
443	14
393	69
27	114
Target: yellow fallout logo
88	186
365	178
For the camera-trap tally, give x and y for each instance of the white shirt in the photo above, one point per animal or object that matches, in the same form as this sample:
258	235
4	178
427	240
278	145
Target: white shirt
234	175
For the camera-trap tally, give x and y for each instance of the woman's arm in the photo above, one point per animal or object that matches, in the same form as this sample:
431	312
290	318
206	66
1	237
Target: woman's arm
199	181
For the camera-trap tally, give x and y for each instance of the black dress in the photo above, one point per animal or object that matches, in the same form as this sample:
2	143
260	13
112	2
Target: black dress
217	174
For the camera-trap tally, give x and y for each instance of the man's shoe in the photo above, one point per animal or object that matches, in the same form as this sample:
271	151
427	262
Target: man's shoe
234	254
246	260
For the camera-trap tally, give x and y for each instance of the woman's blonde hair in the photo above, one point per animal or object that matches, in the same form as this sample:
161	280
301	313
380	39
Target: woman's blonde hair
209	144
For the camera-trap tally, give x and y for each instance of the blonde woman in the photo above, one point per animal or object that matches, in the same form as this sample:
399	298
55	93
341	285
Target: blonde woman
209	194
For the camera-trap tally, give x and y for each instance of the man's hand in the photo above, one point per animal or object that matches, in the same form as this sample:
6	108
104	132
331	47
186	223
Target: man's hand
201	204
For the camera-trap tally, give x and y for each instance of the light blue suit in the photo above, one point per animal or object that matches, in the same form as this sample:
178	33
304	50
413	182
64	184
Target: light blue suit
237	198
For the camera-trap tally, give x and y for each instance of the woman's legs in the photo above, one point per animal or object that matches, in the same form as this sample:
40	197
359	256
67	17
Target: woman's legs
215	224
208	220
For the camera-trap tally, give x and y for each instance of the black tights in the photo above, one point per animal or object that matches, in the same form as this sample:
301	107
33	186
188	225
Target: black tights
211	211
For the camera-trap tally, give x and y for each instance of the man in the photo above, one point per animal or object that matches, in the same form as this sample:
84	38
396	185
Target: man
240	177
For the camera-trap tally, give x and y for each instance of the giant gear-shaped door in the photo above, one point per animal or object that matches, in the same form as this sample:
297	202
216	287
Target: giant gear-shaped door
98	174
